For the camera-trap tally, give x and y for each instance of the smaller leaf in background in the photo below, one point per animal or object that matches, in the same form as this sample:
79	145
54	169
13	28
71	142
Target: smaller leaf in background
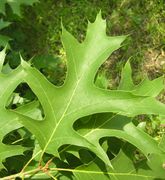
101	81
4	40
31	109
45	61
51	66
4	24
126	82
15	5
142	125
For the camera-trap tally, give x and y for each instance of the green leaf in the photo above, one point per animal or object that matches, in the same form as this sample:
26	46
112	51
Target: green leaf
124	169
145	88
4	24
45	61
108	125
9	119
15	5
79	97
4	41
101	81
126	82
162	143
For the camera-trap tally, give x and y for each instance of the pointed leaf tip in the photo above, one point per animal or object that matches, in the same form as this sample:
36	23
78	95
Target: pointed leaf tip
128	64
62	26
120	40
5	48
99	17
24	64
99	14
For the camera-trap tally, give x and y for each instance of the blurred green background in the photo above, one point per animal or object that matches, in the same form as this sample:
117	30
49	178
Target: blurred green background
36	33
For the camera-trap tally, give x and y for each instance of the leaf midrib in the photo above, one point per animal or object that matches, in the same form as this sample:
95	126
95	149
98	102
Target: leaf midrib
62	116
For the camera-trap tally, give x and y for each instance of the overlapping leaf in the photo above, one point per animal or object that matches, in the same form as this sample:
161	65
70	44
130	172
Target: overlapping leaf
8	119
109	125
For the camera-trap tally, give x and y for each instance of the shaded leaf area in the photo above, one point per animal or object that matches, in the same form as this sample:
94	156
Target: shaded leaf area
52	67
124	163
79	98
15	5
124	169
90	167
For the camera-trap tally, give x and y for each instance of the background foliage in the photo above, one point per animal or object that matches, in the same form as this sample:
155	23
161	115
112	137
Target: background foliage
37	32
